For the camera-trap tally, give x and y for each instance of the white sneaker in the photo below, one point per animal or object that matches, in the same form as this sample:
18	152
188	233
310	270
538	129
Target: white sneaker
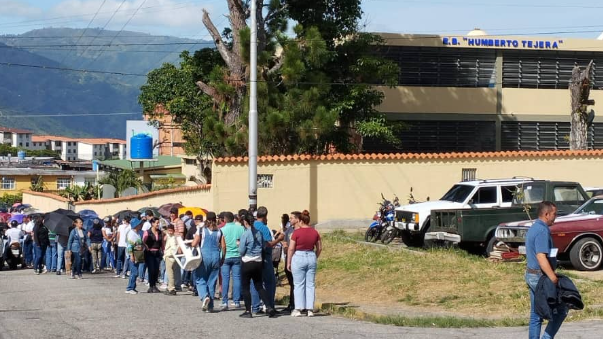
163	287
310	314
205	304
296	313
93	271
131	292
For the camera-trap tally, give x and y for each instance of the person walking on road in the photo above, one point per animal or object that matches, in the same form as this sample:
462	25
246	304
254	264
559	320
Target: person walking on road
542	260
51	252
213	250
41	241
135	252
169	250
250	249
96	244
78	244
232	262
268	277
291	224
304	249
122	245
153	242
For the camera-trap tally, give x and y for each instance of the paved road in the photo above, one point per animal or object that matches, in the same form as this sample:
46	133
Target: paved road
50	306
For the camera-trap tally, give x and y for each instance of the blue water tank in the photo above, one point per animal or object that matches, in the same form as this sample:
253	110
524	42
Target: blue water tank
21	155
141	146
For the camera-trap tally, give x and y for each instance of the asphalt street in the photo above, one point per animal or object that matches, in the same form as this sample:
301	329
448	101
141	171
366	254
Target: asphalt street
50	306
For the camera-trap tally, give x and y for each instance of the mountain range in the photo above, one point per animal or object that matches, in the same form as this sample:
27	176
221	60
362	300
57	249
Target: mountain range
42	73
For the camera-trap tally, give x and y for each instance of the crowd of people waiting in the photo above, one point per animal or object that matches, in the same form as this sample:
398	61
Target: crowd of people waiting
144	250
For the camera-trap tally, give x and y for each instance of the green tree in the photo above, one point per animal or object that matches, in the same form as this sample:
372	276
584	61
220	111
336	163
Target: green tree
314	89
37	185
122	180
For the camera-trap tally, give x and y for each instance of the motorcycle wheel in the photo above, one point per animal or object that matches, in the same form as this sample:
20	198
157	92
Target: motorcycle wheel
388	236
371	235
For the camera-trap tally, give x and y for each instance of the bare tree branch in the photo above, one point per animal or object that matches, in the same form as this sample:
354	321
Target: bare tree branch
276	67
207	89
222	48
237	22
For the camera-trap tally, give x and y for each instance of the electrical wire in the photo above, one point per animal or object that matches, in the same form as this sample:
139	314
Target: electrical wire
121	30
84	32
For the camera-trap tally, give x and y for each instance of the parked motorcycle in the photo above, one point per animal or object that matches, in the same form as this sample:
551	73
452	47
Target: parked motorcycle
382	218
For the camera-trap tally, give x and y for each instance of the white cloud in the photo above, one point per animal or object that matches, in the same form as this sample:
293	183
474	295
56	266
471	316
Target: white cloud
11	8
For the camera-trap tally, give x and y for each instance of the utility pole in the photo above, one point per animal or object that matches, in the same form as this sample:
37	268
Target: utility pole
253	111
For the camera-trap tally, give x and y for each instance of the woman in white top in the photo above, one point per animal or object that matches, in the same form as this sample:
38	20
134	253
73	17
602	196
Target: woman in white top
108	252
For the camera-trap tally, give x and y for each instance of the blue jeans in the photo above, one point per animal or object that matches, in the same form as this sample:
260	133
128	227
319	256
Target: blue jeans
51	256
76	263
142	267
269	282
207	277
122	264
28	252
40	255
303	267
233	264
133	276
60	257
535	326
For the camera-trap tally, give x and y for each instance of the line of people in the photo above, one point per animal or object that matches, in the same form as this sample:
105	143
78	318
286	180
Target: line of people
237	248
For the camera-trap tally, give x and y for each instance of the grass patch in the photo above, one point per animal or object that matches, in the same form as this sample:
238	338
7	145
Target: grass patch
442	281
427	321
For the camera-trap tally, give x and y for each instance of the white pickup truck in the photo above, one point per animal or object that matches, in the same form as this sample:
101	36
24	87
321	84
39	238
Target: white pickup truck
413	220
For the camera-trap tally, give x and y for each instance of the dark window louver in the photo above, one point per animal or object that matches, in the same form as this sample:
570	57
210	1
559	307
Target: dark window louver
548	69
531	135
440	136
443	67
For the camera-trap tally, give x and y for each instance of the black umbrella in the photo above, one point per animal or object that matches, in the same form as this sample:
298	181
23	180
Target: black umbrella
58	223
68	213
122	214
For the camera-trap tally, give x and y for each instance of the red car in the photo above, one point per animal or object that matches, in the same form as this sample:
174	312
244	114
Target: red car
578	236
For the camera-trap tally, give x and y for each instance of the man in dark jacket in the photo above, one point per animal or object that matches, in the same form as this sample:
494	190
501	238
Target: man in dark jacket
542	260
42	242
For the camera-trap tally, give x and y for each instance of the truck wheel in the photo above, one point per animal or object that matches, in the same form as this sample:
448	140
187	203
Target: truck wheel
586	254
490	246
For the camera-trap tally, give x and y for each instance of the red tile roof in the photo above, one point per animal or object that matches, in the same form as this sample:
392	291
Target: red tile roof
399	156
14	130
95	141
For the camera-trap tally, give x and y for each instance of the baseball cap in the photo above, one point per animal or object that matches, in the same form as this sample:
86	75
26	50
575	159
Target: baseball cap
211	216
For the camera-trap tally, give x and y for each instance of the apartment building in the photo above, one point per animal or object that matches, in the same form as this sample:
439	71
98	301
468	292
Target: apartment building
16	137
81	149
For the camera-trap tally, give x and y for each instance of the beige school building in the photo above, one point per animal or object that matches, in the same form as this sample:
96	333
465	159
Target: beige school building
483	92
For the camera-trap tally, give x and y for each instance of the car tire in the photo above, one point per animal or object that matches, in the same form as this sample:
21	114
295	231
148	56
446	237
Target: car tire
586	254
490	246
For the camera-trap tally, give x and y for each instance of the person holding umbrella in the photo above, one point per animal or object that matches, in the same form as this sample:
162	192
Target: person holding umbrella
60	222
78	244
42	242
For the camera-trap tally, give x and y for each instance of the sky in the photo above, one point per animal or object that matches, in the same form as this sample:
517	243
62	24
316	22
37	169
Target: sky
182	18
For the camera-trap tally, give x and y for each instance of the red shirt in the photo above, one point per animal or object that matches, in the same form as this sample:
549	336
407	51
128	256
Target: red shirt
305	239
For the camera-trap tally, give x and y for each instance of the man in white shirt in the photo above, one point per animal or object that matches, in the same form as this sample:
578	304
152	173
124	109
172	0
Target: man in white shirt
148	217
28	244
122	245
14	235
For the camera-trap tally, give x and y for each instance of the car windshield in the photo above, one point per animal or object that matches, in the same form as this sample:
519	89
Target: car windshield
458	193
593	206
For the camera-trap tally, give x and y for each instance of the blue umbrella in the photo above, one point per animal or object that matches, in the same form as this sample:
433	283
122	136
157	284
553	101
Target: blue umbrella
18	217
88	214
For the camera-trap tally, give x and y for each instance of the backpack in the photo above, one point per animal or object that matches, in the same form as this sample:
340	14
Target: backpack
277	251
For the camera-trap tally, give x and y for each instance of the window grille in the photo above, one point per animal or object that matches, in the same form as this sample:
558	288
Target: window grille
265	181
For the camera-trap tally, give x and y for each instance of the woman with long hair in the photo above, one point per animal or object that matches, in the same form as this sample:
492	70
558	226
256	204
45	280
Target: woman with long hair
294	224
304	249
78	244
250	248
211	240
108	237
153	242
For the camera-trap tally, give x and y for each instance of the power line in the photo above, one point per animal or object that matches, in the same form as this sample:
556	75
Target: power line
84	32
43	21
13	64
491	4
121	30
108	21
48	115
